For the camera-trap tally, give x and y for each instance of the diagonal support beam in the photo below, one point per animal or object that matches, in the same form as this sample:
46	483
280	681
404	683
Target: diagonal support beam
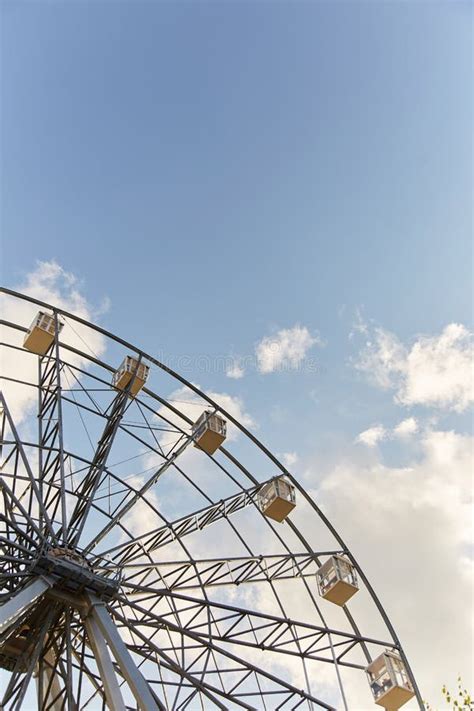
113	694
11	610
149	542
139	687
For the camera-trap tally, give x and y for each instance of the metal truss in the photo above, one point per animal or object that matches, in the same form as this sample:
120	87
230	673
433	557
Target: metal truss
50	433
238	677
94	477
138	572
216	572
237	625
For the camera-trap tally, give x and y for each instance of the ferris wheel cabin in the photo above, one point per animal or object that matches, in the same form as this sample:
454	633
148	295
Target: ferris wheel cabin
337	580
389	682
277	499
209	431
40	334
131	370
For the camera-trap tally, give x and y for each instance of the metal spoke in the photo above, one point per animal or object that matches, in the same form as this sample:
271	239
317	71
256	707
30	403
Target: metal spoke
250	628
26	465
217	572
93	479
139	687
211	692
138	496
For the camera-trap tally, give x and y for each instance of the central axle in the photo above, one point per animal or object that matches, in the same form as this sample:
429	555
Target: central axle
73	573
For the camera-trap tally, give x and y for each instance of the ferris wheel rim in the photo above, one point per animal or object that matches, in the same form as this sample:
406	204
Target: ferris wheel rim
244	430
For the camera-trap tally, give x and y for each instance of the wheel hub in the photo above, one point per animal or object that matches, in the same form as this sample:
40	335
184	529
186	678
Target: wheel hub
74	574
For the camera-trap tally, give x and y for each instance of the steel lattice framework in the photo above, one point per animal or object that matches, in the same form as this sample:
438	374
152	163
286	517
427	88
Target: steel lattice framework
180	593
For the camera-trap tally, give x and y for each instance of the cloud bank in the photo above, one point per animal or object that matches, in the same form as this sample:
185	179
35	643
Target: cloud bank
411	529
285	350
378	433
435	371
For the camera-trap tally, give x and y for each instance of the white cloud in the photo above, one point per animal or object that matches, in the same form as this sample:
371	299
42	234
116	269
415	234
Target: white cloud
285	350
235	370
377	433
372	436
413	538
406	428
142	517
289	459
435	371
51	283
439	370
383	359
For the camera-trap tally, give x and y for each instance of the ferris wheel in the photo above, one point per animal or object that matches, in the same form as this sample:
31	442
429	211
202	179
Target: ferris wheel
155	555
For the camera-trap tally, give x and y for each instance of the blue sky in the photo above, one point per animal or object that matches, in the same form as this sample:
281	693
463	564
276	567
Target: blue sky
221	171
260	164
